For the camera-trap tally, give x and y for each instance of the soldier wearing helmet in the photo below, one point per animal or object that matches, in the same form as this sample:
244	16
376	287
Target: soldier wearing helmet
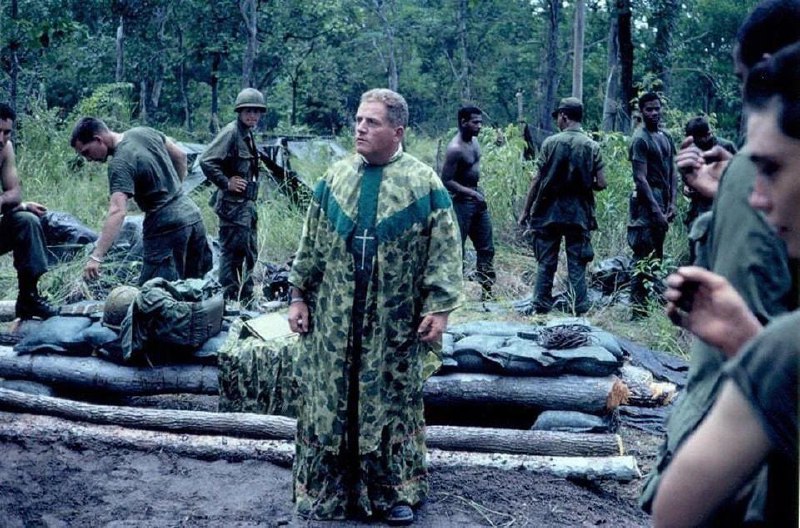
231	163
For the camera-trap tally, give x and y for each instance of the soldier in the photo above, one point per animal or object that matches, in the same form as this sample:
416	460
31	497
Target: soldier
376	275
653	203
460	174
699	129
741	247
20	229
148	167
231	163
560	204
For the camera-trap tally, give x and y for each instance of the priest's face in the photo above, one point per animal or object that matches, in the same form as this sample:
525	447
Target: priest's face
376	138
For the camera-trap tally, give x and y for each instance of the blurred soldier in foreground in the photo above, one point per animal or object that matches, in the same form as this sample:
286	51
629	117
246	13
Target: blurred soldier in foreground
231	163
149	167
20	230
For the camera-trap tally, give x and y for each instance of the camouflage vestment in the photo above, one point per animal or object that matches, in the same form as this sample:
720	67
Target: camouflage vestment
416	270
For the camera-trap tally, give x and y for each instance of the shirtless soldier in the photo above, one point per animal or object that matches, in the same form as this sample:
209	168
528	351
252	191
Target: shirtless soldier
460	174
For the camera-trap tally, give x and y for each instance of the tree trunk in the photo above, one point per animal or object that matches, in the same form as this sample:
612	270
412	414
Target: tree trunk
567	393
161	18
612	107
624	32
466	74
392	74
45	429
143	101
249	11
548	80
187	110
216	61
660	55
267	427
95	375
120	46
14	46
577	64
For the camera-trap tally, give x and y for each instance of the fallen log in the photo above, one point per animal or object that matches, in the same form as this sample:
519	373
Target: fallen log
268	427
27	428
93	374
567	393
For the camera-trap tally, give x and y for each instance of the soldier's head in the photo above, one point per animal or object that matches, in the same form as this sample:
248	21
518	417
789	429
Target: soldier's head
250	106
772	103
699	128
92	139
470	120
650	107
380	125
569	110
770	26
7	118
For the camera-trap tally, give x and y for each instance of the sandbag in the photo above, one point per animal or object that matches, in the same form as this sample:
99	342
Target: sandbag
57	335
576	422
64	235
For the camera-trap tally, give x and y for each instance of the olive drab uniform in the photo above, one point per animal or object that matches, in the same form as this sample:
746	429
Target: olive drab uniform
380	249
765	372
563	207
174	237
739	245
233	153
645	236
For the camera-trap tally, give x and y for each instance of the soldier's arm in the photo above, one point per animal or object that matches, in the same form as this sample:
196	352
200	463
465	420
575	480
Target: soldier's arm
713	463
12	194
178	158
644	191
529	198
213	159
600	180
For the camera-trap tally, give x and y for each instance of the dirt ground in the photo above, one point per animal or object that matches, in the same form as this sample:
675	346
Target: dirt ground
52	484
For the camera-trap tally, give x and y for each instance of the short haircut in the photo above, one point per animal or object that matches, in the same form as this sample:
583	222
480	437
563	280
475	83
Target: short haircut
86	129
698	126
396	106
777	79
772	25
6	112
466	112
646	98
573	113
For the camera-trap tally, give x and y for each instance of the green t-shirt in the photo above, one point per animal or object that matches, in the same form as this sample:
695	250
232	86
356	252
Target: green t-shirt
656	151
142	168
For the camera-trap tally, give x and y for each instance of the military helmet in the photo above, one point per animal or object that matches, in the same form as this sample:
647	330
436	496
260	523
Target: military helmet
116	306
250	98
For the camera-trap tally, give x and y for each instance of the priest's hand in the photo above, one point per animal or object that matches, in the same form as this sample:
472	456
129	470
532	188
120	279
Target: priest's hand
432	327
298	317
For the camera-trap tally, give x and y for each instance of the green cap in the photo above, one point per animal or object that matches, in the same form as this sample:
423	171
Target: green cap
568	103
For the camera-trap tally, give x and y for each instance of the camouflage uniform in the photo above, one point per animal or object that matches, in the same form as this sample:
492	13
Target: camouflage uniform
564	208
645	236
227	156
174	237
380	249
743	248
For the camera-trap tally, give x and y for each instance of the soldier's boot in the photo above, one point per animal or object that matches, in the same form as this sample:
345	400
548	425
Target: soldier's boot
29	303
32	306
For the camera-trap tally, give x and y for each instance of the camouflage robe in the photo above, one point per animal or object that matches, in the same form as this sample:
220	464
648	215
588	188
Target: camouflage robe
417	270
